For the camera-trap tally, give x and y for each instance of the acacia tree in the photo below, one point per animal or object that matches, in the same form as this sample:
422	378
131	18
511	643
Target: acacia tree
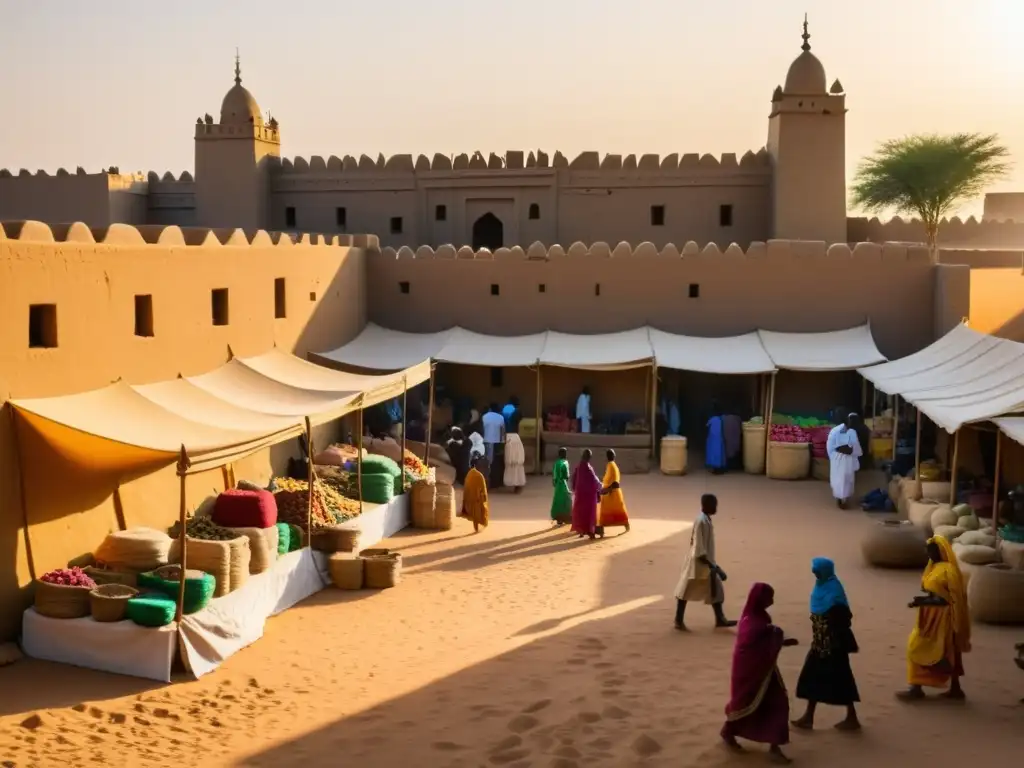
928	175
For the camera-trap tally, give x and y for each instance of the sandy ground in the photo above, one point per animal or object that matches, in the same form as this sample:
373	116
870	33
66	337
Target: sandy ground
523	647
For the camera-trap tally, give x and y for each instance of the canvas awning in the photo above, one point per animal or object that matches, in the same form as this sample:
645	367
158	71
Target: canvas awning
958	348
602	351
844	350
471	348
1012	427
382	349
729	355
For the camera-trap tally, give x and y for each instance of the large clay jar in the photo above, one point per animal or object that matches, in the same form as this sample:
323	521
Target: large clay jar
995	594
895	544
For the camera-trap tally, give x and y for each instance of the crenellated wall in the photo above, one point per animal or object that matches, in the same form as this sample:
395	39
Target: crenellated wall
91	276
953	233
706	291
440	200
171	200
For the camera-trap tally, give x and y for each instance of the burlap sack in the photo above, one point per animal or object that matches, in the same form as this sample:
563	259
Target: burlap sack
240	557
261	557
975	554
983	538
920	513
935	491
137	549
1012	554
386	447
949	532
943	515
969	522
272	536
212	557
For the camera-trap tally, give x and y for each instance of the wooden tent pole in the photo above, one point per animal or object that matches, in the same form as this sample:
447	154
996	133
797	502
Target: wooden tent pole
995	487
768	423
183	466
952	474
917	455
895	424
654	409
538	461
359	455
405	424
430	417
863	395
874	404
309	479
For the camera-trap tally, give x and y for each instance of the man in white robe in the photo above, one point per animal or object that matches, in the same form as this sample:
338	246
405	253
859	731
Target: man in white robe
583	414
701	577
844	452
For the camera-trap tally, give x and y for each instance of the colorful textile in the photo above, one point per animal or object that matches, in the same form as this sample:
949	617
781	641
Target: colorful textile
714	448
613	503
942	633
828	589
474	499
758	708
586	489
561	503
827	677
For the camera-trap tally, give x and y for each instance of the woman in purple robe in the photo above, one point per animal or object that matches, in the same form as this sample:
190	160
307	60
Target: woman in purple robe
586	494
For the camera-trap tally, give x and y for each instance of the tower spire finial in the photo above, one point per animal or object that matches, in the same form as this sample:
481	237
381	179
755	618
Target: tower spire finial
238	66
806	36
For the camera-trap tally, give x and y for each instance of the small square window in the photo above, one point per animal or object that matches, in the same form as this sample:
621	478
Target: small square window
42	326
497	378
144	315
280	301
403	286
341	217
312	295
396	225
657	215
495	289
694	290
725	215
597	289
289	217
534	213
541	288
219	305
441	213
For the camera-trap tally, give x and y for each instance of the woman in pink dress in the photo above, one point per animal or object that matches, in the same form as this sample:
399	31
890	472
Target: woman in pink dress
586	494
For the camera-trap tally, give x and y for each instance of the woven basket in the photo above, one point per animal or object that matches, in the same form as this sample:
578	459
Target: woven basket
444	506
382	571
753	448
110	601
378	552
335	539
346	571
789	461
213	557
821	468
424	497
106	576
58	601
261	554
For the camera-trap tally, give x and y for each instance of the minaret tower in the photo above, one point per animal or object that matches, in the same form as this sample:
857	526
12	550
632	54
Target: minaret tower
232	159
807	144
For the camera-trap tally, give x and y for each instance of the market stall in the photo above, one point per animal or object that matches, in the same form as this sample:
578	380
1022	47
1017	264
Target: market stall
736	357
99	441
789	453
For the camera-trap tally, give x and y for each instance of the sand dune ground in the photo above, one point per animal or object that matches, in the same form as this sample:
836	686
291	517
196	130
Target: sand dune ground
523	647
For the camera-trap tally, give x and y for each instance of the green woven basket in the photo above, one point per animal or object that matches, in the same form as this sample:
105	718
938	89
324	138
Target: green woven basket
295	537
284	538
153	609
199	588
378	489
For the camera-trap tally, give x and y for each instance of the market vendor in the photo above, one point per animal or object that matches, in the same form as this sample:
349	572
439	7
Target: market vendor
583	412
844	454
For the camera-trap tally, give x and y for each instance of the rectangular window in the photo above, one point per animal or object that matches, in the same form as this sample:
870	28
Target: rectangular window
403	286
541	288
312	295
341	217
694	290
441	213
143	314
219	305
497	378
534	212
280	299
597	289
396	225
42	326
725	215
657	215
289	217
495	289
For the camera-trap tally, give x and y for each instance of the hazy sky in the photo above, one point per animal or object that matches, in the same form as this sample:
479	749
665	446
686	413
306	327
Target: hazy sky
121	82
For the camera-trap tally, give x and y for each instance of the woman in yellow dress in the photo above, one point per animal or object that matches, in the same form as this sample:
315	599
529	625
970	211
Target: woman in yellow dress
474	497
942	633
612	513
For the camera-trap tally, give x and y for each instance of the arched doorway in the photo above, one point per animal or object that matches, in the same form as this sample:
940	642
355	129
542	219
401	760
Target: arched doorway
488	232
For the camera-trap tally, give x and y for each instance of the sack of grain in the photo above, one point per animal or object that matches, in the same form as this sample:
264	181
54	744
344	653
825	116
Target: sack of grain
975	554
949	532
422	499
137	549
977	537
963	509
1012	554
935	491
245	509
241	555
385	447
920	513
213	557
943	515
261	557
969	522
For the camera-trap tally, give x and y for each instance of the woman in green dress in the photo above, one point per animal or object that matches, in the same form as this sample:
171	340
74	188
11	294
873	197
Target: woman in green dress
561	504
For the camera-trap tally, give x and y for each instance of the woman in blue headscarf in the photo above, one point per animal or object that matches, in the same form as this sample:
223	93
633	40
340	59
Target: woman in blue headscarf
827	677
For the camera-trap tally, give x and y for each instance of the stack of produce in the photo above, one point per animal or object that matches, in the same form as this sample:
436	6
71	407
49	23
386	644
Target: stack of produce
293	504
785	433
819	441
69	577
202	528
414	466
557	420
217	550
63	594
330	501
337	455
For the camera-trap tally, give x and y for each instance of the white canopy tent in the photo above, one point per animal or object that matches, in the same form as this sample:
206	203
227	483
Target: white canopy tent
471	348
729	355
382	349
1012	427
600	351
845	350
